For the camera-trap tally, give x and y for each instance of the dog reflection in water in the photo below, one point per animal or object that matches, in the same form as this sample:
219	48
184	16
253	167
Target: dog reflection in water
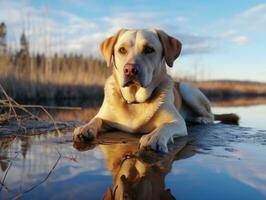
137	174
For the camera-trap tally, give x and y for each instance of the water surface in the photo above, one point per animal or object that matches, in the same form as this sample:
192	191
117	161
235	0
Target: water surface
222	162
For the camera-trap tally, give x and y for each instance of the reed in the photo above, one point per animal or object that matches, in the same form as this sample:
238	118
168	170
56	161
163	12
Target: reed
65	77
38	77
232	89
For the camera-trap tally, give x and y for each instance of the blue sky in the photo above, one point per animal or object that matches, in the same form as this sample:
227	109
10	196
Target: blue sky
221	39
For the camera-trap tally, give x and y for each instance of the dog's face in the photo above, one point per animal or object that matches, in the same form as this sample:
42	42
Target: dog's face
139	55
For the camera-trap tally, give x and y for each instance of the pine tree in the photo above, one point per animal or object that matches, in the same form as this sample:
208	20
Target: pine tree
3	38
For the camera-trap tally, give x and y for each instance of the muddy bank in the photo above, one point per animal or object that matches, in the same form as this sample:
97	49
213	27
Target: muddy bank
34	127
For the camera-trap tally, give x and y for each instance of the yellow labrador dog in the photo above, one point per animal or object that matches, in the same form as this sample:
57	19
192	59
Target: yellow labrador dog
140	97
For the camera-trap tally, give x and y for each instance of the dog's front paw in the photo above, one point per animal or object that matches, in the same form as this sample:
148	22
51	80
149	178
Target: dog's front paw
156	141
84	133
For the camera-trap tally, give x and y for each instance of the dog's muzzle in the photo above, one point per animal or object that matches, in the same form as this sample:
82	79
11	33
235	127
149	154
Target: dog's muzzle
131	72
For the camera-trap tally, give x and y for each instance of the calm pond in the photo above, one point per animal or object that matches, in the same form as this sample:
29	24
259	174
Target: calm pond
223	166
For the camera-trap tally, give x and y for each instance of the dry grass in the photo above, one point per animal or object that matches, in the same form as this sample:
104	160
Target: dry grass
65	77
239	102
241	86
231	89
76	77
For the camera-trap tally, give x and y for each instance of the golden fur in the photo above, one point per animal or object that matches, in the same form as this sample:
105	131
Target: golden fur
151	105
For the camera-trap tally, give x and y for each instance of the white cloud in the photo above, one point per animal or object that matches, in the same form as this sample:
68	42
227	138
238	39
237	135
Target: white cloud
250	20
255	11
228	33
131	20
12	14
198	48
51	30
181	19
253	18
241	40
234	36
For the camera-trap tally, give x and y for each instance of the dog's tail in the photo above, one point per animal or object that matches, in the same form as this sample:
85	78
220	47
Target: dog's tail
230	118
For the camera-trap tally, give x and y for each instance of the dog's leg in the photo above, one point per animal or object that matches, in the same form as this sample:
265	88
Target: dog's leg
161	136
197	102
88	131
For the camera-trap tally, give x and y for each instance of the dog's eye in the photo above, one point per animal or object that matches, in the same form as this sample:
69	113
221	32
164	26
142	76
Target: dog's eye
148	50
122	50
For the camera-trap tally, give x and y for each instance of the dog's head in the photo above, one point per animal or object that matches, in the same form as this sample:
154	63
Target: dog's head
139	56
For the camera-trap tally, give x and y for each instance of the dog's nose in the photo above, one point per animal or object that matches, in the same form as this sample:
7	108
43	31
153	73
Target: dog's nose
130	70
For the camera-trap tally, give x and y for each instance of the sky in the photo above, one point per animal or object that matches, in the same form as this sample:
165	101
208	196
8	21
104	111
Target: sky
221	39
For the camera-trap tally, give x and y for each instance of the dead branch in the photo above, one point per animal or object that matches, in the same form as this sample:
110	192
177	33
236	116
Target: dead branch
42	181
2	183
12	105
11	108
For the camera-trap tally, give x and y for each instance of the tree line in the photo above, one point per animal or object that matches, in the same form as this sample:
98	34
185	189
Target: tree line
23	60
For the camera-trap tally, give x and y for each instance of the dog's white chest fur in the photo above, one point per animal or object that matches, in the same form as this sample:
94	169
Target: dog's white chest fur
130	116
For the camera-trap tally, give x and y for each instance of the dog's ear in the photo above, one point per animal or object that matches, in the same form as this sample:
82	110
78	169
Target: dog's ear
171	47
107	47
